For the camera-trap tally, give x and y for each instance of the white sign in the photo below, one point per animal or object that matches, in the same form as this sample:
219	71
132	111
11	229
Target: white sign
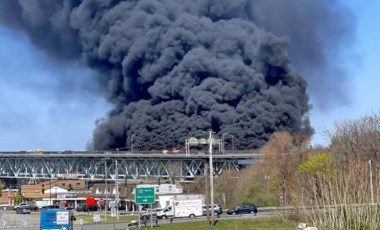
96	217
62	217
202	141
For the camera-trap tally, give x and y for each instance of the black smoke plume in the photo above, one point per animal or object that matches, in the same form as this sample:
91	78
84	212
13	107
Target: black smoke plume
179	68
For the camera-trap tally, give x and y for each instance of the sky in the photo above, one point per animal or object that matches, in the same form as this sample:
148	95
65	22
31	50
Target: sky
362	65
53	106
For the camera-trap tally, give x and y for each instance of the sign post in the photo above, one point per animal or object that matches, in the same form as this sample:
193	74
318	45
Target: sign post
145	195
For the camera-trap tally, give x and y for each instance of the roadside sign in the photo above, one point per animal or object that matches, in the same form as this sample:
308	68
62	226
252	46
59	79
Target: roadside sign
281	198
96	218
145	195
62	217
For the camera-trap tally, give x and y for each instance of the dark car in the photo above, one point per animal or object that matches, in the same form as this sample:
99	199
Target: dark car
85	208
50	207
23	210
217	209
244	208
82	208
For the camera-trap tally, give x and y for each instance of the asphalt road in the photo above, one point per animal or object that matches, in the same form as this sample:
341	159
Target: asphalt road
11	220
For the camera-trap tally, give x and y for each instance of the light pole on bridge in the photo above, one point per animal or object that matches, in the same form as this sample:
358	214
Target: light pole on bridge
233	143
133	135
223	145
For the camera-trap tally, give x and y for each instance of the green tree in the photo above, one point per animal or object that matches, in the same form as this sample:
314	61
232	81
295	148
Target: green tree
17	198
258	195
318	165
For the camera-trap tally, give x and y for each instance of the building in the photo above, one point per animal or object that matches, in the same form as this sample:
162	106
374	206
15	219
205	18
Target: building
72	192
6	198
56	192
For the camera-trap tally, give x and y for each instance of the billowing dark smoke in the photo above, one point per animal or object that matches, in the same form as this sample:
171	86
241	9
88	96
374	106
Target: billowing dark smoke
175	69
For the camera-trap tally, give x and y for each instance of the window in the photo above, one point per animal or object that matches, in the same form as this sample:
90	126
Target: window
170	188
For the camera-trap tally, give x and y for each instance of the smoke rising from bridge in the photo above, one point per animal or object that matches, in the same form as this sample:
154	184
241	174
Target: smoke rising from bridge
176	69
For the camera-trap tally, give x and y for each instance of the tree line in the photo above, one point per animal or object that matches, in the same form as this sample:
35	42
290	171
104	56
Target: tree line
334	187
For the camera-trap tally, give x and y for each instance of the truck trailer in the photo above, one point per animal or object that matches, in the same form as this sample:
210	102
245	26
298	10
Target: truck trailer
183	206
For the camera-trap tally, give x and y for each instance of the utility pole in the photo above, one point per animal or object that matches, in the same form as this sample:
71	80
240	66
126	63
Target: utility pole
207	194
211	178
370	180
117	190
105	202
50	190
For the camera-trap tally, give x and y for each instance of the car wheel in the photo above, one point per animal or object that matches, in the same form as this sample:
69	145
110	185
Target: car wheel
164	217
192	216
216	214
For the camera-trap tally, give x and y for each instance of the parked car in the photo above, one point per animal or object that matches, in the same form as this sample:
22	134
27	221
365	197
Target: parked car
217	209
19	205
82	208
85	208
244	208
23	210
50	207
145	216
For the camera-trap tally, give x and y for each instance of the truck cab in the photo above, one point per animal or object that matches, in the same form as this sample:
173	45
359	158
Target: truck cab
168	211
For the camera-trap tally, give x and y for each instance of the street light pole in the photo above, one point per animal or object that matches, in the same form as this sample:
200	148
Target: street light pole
133	135
233	144
223	145
211	178
370	180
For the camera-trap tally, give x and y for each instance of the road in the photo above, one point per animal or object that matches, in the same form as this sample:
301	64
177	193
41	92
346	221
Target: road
11	220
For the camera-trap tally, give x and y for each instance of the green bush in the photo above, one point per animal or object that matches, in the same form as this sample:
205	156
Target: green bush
257	195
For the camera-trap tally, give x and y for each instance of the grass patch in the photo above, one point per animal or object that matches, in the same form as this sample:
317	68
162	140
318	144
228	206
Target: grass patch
242	224
89	218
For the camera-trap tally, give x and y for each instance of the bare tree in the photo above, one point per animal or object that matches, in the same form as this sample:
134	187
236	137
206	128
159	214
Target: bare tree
335	187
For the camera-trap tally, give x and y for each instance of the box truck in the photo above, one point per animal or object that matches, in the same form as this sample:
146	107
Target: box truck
183	206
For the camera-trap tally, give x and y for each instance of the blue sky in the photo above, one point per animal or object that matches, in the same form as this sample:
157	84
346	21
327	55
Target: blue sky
44	105
363	67
53	106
